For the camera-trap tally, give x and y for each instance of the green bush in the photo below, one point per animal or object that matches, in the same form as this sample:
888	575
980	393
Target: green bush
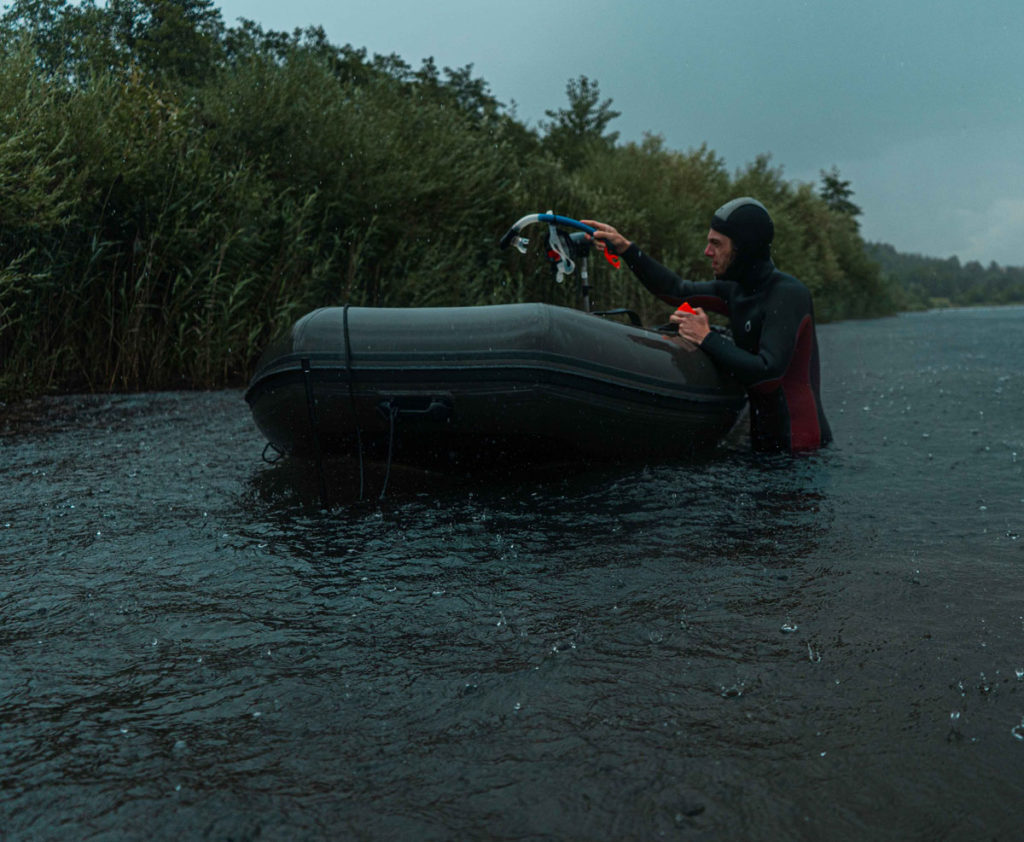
174	192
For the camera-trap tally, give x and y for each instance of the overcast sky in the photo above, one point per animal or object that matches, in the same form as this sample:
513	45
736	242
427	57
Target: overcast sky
920	103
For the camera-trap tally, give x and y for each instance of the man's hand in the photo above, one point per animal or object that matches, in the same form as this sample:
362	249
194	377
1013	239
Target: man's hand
613	241
693	326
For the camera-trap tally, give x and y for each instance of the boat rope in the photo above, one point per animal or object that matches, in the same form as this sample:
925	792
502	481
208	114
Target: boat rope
352	397
315	427
278	453
393	412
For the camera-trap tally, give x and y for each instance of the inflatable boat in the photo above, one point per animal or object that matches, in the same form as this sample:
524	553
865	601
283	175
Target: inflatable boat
524	382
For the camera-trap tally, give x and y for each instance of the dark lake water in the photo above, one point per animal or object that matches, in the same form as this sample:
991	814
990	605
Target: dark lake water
828	647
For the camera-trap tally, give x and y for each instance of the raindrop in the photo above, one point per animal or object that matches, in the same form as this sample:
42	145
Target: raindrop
789	627
954	726
1018	731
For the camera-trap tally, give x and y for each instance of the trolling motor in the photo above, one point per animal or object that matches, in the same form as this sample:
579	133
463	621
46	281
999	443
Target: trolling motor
565	249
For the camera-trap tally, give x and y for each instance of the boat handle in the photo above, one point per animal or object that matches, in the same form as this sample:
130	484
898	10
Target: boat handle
433	407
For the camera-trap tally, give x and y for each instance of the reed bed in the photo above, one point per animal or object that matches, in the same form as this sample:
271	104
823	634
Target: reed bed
158	227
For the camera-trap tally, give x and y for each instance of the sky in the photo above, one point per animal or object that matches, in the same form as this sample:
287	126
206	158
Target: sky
919	103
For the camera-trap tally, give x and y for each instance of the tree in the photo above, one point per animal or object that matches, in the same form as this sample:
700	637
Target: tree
177	40
172	41
578	131
836	192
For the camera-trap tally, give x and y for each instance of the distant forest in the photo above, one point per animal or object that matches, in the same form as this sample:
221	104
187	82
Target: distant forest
924	282
174	192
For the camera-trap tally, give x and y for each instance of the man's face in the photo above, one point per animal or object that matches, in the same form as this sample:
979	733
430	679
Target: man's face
720	251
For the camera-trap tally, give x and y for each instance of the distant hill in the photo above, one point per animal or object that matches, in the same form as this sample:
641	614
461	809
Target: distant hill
925	282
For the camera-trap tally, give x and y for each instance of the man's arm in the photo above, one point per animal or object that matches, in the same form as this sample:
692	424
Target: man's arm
673	290
789	305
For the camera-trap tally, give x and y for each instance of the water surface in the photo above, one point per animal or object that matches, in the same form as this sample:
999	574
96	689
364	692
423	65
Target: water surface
741	647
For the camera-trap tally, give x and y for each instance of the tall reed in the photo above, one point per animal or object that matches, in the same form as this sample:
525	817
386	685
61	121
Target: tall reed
156	231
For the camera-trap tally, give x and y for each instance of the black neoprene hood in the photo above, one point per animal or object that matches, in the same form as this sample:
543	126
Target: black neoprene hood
747	223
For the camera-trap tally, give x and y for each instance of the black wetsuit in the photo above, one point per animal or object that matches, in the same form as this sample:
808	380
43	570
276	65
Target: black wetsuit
775	355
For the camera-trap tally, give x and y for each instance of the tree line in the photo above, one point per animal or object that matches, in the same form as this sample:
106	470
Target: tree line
175	191
924	282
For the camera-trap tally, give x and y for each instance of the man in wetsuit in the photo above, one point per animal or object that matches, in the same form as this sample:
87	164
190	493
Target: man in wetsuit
775	354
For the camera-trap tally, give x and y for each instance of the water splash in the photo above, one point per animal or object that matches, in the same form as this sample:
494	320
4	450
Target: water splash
954	726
